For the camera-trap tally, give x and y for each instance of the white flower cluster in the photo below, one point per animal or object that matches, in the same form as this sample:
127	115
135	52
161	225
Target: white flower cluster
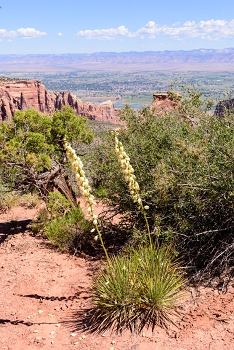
82	181
128	171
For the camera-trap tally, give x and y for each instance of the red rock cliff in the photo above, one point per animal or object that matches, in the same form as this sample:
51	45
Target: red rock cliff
24	94
164	102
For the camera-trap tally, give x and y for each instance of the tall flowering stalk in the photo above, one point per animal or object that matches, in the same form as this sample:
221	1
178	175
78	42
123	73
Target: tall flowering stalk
85	189
130	178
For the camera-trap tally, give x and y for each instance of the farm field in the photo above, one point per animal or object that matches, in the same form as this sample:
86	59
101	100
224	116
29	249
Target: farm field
132	87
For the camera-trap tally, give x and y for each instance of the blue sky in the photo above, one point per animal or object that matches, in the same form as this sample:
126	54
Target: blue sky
55	26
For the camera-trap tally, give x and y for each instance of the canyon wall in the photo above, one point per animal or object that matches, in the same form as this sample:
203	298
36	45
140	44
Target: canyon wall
25	94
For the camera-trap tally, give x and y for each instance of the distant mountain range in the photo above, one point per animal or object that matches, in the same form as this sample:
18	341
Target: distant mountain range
201	59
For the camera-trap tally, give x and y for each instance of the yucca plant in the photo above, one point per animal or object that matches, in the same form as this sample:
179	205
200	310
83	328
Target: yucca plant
136	289
112	294
162	284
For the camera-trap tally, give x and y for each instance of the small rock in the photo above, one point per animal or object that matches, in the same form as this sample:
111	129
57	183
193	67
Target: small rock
38	339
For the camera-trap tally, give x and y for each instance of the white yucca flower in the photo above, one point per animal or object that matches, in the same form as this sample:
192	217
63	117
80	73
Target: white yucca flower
82	181
128	171
130	178
85	189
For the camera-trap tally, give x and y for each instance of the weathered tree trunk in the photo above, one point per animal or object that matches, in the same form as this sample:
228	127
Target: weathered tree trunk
62	185
49	180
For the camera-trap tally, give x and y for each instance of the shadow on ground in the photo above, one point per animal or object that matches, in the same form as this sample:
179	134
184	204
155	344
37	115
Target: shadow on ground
53	298
28	324
12	228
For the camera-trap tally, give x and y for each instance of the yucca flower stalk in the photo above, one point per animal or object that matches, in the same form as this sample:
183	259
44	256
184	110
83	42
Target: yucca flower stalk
85	189
130	178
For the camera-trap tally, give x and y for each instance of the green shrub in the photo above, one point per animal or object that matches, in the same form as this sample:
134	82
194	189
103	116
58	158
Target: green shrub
186	177
32	154
58	205
62	223
41	221
61	231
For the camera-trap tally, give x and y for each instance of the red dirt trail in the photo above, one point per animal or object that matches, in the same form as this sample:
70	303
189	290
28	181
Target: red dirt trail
41	290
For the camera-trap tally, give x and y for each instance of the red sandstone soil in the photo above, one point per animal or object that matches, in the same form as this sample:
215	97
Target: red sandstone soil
41	289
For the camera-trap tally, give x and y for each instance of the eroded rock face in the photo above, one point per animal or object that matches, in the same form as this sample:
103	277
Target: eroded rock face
224	108
164	102
25	94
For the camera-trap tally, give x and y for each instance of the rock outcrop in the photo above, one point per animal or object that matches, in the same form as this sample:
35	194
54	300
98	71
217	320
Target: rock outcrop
224	108
164	102
25	94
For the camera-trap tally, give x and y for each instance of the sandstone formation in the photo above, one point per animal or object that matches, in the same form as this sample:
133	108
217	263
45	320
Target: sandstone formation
224	108
25	94
164	102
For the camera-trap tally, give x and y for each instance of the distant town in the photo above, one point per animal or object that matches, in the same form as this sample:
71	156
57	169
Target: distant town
134	88
128	77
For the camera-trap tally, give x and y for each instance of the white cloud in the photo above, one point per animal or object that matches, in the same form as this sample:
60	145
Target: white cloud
151	29
60	34
21	32
210	30
108	34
